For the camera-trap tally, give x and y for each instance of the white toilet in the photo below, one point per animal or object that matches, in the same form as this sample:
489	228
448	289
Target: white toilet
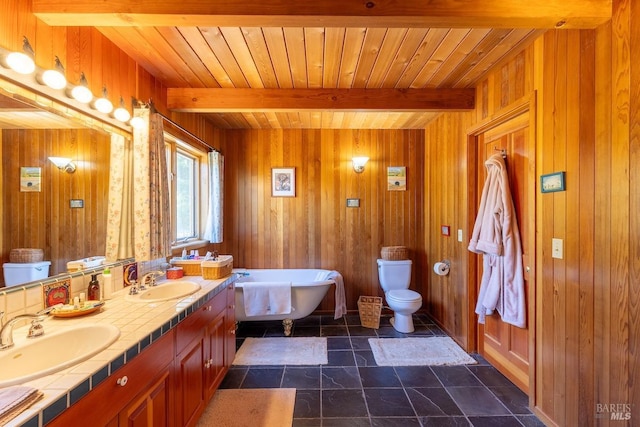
24	272
395	277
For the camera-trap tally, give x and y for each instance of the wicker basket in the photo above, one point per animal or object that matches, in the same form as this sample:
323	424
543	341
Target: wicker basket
394	253
190	267
25	255
369	309
217	269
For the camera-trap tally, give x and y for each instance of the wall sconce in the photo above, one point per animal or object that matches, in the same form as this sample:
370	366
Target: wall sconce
64	164
81	93
358	163
103	104
121	113
22	62
54	78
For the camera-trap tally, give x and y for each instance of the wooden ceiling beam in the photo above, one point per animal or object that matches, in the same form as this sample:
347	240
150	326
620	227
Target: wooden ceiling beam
541	14
199	100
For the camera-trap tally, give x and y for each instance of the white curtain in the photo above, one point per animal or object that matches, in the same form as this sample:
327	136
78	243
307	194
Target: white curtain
213	229
151	216
119	243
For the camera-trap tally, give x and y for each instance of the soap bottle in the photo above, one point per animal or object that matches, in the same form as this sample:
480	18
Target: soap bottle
93	292
107	284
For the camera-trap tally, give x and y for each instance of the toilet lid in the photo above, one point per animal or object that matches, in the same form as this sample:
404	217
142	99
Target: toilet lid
404	295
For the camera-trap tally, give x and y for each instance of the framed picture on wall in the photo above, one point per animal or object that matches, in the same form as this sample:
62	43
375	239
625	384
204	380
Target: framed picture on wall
397	178
30	179
283	182
552	182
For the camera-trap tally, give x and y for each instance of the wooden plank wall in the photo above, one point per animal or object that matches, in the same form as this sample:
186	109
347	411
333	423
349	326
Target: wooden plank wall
315	229
80	49
44	219
588	110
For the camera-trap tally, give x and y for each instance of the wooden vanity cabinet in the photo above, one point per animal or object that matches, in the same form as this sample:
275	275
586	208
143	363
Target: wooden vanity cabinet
171	382
202	356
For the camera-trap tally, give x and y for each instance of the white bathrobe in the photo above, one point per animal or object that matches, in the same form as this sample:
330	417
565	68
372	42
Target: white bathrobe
496	236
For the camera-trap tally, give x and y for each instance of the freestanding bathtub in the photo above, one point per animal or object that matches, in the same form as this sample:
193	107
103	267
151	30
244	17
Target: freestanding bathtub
308	288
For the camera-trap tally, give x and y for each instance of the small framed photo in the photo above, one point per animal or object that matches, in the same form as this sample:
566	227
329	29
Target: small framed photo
283	182
397	178
552	182
353	203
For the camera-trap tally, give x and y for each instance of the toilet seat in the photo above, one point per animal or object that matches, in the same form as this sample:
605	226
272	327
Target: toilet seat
403	295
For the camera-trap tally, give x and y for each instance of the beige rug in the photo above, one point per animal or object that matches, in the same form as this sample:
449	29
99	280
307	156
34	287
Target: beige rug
282	351
418	352
250	407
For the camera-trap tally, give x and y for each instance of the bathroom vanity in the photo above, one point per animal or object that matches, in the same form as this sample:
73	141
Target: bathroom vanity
174	375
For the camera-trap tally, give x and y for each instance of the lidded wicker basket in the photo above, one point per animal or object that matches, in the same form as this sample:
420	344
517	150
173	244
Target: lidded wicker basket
24	255
394	253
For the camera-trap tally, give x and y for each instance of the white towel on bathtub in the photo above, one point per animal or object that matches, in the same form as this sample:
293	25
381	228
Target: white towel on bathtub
263	298
341	300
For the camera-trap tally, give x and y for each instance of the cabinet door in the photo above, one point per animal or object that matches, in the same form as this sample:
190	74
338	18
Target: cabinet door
214	365
190	382
230	341
151	409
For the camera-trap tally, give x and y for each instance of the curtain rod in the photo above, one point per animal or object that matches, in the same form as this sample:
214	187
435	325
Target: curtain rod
182	129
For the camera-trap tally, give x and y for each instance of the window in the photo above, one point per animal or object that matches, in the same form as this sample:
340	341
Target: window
185	165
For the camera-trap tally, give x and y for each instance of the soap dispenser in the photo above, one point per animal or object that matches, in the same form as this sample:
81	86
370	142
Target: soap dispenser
93	292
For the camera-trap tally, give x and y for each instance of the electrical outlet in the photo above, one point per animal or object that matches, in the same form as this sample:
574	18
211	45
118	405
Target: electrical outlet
459	235
557	248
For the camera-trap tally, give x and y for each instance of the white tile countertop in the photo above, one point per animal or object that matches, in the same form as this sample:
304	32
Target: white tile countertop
140	324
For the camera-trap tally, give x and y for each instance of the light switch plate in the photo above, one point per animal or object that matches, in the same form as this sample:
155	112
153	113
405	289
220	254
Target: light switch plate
557	248
459	235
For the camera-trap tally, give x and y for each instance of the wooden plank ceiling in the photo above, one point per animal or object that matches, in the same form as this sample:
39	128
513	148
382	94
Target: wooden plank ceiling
364	64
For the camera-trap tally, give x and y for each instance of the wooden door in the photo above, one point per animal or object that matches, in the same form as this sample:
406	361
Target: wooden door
505	346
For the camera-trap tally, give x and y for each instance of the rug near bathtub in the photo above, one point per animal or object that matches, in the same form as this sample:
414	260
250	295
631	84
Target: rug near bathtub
282	351
429	351
250	407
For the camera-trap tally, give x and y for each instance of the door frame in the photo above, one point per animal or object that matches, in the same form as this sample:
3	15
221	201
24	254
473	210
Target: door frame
526	104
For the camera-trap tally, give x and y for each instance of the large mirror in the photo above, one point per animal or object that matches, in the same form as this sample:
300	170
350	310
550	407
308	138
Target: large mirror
61	212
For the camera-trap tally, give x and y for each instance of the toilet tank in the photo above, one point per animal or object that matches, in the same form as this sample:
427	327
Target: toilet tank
394	274
24	272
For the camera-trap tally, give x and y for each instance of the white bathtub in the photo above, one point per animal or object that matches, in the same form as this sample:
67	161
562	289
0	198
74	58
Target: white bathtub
308	288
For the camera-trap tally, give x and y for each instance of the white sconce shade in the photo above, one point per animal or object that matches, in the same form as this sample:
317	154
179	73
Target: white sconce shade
55	78
81	93
121	113
358	163
64	164
22	62
103	104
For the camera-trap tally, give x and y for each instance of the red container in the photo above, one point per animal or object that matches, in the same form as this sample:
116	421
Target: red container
175	273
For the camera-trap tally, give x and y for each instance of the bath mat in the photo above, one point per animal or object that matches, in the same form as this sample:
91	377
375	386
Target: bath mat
282	351
250	407
430	351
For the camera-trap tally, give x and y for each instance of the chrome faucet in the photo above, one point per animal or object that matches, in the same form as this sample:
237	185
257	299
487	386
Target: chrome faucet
36	329
150	279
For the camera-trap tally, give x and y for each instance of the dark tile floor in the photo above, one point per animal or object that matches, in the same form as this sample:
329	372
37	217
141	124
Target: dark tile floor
351	390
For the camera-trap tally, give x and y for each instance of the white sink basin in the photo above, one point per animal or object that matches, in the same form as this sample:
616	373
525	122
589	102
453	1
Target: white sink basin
165	291
54	352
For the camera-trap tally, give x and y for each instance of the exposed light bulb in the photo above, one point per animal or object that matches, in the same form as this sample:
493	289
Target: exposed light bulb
103	104
22	62
81	93
137	122
121	113
55	78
